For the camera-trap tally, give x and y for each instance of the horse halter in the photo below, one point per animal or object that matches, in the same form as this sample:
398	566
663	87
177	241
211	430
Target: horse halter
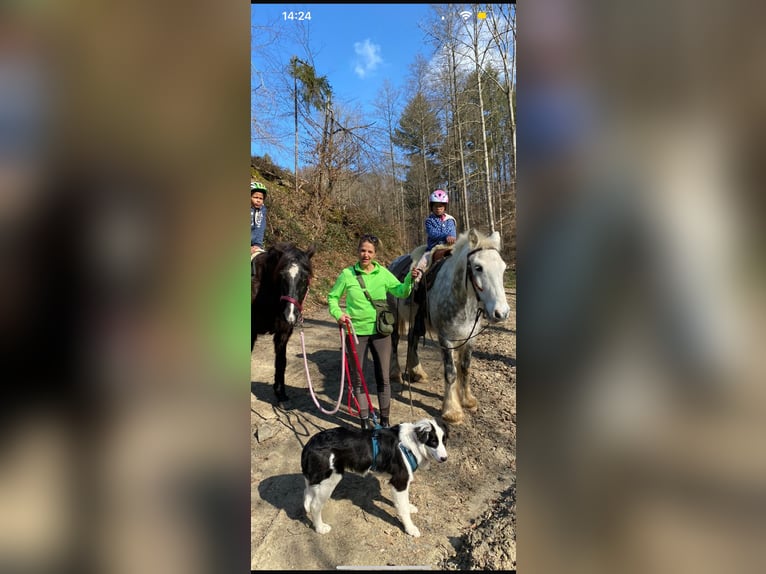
469	271
294	301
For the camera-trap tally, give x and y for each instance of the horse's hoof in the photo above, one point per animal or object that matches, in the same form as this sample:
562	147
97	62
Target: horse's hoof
453	417
470	404
418	375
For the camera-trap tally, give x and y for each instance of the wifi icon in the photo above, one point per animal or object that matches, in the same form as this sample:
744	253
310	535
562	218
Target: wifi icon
465	14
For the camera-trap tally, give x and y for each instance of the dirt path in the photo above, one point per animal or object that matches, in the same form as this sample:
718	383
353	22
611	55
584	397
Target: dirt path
454	498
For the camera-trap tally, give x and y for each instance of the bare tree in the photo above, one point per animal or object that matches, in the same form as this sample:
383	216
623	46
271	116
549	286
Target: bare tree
502	25
443	35
478	59
266	87
473	51
458	123
420	135
386	105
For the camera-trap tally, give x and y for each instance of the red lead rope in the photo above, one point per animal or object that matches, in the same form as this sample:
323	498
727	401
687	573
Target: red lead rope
349	329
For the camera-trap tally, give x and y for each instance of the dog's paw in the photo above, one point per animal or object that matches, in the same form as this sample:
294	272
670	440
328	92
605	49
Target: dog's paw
413	509
323	528
413	531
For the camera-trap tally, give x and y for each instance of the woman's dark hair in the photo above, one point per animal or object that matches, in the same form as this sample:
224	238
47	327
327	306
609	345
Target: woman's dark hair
368	238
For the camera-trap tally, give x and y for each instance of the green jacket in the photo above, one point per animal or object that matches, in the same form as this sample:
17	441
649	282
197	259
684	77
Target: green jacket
379	281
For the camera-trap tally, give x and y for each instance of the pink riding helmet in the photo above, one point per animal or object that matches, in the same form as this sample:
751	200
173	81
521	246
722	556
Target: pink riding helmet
438	196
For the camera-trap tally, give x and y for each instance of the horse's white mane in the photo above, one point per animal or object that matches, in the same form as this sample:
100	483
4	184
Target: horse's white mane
460	249
463	240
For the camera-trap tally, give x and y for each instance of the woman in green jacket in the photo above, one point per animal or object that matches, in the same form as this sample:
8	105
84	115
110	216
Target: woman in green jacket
378	280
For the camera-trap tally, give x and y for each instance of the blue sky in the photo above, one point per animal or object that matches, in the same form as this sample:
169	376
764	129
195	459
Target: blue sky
356	46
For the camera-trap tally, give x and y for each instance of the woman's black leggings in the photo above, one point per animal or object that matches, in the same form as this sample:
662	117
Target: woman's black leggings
380	349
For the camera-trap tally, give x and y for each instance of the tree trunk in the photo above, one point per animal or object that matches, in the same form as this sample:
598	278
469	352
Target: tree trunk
400	203
487	175
511	89
295	98
322	163
421	233
460	143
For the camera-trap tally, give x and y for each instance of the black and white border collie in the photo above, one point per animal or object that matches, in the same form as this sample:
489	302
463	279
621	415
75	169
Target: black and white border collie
396	451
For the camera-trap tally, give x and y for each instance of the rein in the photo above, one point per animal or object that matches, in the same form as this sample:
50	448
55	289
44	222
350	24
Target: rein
470	335
476	291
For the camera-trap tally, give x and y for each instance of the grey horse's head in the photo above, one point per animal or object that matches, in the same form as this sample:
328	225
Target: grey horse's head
486	269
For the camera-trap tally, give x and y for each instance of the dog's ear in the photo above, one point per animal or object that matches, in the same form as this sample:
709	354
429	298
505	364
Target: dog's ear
422	433
439	422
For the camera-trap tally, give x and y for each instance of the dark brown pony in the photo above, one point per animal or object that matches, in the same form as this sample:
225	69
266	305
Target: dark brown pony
279	283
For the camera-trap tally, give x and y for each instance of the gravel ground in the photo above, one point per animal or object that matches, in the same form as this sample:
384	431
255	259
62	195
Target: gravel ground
467	504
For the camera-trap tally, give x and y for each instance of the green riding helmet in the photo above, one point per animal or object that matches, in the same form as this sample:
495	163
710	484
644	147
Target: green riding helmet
257	186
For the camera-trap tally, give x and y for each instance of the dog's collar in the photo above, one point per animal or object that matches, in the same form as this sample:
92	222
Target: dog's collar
409	457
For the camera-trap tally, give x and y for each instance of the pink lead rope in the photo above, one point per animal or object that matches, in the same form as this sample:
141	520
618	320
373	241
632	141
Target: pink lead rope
345	372
311	388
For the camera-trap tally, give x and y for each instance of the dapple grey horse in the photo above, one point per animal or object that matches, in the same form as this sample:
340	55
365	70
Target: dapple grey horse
468	284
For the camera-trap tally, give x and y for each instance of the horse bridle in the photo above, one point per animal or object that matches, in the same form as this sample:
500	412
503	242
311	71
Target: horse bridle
294	301
476	291
469	271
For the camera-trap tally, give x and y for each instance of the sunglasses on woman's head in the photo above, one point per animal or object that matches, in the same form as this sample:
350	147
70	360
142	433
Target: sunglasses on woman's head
369	239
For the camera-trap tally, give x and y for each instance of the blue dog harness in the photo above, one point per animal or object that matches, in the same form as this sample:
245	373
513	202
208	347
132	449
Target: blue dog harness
375	449
409	457
407	453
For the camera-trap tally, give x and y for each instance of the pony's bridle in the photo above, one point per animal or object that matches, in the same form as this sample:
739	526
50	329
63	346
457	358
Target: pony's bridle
294	301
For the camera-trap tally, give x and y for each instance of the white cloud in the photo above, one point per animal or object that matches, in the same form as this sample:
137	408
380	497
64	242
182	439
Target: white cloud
367	57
